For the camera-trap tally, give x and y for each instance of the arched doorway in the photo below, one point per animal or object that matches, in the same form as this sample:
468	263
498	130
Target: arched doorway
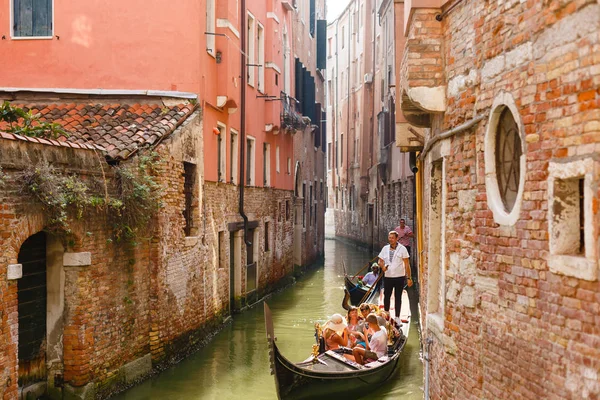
32	306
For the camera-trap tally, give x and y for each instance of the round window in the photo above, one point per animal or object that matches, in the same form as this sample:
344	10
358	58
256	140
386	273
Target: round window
508	158
504	150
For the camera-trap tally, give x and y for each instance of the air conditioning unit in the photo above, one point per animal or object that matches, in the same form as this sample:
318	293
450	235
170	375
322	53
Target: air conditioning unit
368	78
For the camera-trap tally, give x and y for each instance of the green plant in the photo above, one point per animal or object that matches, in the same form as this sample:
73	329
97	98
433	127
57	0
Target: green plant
57	193
65	197
26	123
139	196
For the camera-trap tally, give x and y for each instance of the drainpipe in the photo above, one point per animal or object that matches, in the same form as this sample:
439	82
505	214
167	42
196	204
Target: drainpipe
244	73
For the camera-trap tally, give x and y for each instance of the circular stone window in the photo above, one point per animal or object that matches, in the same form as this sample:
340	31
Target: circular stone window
504	160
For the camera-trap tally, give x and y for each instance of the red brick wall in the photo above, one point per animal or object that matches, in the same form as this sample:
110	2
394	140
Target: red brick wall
528	332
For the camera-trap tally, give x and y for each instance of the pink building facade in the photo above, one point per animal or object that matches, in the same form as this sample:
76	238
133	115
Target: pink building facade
253	71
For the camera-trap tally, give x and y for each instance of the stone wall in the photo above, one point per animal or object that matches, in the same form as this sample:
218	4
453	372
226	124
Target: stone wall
510	313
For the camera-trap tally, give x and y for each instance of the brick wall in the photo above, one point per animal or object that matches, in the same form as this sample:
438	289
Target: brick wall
153	300
512	326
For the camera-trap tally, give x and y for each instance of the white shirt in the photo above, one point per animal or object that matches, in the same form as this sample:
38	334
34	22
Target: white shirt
396	264
378	342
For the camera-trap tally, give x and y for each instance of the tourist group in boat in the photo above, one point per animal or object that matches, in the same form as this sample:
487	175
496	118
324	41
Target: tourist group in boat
364	344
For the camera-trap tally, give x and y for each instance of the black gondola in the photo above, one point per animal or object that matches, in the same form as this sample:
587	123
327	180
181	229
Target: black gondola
329	375
355	293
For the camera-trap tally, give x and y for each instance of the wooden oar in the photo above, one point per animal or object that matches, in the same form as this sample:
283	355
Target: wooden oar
363	268
366	296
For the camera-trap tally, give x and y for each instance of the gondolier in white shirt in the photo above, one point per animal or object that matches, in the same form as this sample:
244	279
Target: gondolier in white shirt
393	260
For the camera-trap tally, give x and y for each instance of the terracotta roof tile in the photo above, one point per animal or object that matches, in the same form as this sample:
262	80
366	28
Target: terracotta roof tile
118	129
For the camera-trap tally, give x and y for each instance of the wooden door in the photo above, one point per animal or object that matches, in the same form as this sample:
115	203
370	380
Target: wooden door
31	293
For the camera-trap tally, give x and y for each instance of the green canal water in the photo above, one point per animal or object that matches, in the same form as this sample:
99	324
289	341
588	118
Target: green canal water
235	363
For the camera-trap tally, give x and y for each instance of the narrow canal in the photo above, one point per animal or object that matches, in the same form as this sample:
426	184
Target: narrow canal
235	364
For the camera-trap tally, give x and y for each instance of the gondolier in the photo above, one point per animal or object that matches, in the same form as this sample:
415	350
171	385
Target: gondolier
394	261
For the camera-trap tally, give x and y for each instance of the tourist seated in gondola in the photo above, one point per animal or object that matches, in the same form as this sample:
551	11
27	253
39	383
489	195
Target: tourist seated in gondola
376	346
354	328
335	332
370	278
366	309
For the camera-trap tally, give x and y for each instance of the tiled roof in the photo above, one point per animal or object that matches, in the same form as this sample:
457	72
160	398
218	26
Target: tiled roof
118	129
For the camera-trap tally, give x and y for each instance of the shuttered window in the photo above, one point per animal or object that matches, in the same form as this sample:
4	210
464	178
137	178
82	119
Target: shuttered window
32	18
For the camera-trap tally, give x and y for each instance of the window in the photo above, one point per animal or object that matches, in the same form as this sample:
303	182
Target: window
279	211
250	49
287	210
221	153
341	148
266	164
289	166
250	162
32	19
189	189
504	160
210	27
310	205
233	159
571	225
312	18
260	36
287	79
277	159
267	236
508	155
304	205
251	265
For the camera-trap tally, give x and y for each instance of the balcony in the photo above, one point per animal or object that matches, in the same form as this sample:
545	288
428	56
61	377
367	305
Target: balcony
422	89
291	118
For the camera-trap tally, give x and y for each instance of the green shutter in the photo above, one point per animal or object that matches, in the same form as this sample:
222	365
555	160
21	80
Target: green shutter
321	44
23	18
32	18
42	17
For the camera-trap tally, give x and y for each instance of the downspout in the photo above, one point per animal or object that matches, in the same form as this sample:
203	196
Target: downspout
419	225
243	63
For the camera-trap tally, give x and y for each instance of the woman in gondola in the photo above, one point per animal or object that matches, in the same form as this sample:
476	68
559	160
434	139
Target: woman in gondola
335	332
354	328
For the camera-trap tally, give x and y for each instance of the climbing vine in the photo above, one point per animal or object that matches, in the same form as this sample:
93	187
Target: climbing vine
26	123
134	197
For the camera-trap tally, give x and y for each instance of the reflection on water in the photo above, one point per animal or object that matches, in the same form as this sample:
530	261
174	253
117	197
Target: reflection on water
235	364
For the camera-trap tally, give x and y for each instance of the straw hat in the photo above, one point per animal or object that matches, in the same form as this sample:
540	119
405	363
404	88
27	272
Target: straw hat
336	323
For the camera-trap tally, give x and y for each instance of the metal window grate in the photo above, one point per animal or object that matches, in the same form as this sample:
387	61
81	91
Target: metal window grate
189	173
508	158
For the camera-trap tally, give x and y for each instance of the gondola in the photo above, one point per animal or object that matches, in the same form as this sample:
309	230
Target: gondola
329	375
355	293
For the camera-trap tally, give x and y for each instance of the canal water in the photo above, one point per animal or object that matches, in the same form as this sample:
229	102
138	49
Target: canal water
235	363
